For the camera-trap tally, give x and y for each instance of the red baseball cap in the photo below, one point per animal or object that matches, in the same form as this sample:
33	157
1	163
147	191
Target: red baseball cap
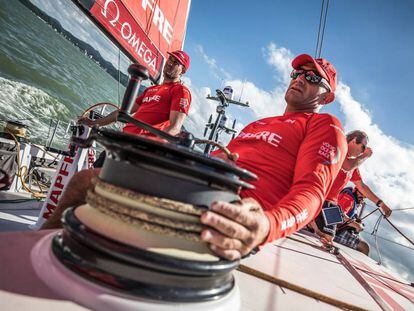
324	68
182	58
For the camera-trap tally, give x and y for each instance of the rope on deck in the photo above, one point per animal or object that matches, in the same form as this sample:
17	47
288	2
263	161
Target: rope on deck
299	289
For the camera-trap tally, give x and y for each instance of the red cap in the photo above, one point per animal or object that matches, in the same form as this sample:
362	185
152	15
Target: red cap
182	58
324	68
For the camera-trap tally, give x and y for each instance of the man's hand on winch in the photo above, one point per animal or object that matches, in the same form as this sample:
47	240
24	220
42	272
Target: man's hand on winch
235	228
86	121
109	119
230	159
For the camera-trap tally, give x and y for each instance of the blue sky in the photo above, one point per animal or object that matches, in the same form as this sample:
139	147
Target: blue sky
371	44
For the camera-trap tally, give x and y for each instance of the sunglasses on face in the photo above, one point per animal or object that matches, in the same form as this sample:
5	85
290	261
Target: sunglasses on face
173	61
363	147
311	77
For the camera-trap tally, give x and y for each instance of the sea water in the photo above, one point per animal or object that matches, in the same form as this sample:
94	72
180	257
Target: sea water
44	76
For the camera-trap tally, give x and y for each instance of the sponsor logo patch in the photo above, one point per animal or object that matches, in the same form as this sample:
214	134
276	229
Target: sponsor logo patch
330	153
183	103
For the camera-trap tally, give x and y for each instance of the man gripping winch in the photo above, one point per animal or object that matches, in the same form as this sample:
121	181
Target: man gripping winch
296	157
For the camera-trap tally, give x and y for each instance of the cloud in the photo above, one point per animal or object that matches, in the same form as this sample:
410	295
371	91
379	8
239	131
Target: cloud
390	170
218	72
262	102
280	59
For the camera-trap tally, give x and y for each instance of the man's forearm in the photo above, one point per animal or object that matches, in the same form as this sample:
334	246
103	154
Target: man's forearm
110	118
172	130
367	192
351	164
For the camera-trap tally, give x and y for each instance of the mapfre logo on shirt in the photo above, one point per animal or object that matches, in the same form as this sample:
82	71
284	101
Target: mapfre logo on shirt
330	153
269	137
155	98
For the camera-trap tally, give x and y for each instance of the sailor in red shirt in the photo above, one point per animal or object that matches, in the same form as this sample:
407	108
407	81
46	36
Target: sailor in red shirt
296	157
358	152
163	106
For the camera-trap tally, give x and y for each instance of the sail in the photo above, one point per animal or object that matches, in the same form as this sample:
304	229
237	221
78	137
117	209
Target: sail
146	30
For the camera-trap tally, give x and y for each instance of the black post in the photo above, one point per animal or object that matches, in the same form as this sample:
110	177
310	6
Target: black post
213	131
138	73
221	111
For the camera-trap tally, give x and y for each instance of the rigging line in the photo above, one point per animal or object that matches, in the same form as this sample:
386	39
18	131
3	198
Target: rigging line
147	20
399	231
340	226
391	287
358	268
323	30
374	233
391	241
394	209
307	254
370	213
176	12
119	75
385	277
402	209
151	19
319	30
363	282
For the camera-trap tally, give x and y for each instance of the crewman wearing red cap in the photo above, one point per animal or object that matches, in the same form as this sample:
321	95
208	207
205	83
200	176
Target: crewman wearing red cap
164	106
296	157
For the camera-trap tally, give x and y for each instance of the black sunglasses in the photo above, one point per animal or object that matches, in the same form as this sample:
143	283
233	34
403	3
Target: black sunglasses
363	147
311	77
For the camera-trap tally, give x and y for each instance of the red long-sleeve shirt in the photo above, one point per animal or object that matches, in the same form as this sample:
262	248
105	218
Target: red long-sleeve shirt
296	157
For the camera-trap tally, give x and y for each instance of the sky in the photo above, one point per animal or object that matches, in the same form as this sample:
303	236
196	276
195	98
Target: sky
250	45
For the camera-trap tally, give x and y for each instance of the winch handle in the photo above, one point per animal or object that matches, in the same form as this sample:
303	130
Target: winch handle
138	73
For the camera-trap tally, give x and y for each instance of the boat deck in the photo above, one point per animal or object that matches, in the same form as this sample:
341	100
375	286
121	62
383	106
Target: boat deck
17	211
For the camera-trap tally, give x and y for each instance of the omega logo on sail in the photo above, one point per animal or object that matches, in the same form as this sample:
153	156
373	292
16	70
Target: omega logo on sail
111	12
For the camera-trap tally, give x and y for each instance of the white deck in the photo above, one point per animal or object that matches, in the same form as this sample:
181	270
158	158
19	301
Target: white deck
17	211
